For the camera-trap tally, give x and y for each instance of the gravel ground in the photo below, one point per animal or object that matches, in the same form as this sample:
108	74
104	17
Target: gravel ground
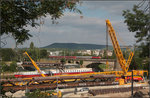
139	94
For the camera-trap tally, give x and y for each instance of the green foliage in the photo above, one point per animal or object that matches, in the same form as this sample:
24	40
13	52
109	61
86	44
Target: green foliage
86	55
96	67
39	94
43	53
4	67
72	60
77	54
145	49
105	55
63	60
113	55
36	53
81	62
33	54
16	15
109	57
1	88
138	62
102	66
31	45
7	54
138	21
11	68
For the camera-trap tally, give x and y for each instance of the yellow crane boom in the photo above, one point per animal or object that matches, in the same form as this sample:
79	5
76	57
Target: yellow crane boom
123	63
58	94
35	65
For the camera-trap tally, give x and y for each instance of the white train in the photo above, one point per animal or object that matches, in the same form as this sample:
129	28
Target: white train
53	72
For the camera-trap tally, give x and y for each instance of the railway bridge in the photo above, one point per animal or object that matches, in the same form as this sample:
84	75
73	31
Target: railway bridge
113	64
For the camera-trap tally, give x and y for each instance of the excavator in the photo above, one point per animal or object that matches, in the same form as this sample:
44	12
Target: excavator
126	75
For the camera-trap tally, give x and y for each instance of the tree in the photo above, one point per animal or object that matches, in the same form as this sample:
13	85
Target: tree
11	68
33	54
105	55
31	45
16	15
81	62
137	62
43	53
138	21
4	67
63	60
7	54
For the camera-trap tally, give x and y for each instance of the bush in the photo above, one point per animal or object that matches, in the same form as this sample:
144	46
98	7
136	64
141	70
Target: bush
63	60
102	66
11	68
81	62
39	94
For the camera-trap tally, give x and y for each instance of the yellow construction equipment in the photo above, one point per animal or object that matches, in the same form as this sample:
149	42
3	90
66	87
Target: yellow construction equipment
35	65
123	63
58	93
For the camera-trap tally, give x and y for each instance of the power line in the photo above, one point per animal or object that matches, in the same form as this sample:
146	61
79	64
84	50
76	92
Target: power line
149	45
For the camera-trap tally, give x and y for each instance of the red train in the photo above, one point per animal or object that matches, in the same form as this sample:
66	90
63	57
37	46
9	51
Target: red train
60	57
96	57
76	57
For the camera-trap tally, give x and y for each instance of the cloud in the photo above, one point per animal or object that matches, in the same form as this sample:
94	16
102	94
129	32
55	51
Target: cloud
73	29
111	7
90	29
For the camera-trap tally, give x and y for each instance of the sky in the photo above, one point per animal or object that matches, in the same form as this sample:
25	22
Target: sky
91	28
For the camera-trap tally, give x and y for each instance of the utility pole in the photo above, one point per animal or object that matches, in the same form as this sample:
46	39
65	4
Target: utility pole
0	49
132	85
107	47
149	45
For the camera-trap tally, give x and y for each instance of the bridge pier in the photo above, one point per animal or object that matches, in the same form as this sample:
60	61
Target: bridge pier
117	66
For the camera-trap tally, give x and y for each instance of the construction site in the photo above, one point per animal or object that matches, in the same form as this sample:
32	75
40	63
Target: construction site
82	82
50	70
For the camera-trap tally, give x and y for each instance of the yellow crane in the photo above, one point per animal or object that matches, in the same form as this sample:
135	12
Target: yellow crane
123	63
35	65
58	93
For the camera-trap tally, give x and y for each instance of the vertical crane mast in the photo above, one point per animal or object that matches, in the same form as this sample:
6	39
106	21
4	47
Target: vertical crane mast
124	65
35	64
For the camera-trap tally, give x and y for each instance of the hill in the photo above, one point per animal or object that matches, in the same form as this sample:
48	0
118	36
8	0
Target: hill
75	46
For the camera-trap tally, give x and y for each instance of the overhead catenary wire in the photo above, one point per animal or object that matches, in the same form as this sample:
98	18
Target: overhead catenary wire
124	44
141	3
146	8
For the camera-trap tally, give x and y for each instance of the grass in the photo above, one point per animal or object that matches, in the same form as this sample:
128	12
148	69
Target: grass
102	66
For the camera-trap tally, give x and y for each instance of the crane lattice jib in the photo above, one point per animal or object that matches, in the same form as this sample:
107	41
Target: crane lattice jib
35	65
124	65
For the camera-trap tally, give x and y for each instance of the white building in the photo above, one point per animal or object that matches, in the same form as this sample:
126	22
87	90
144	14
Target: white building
96	52
101	53
84	52
54	53
109	53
